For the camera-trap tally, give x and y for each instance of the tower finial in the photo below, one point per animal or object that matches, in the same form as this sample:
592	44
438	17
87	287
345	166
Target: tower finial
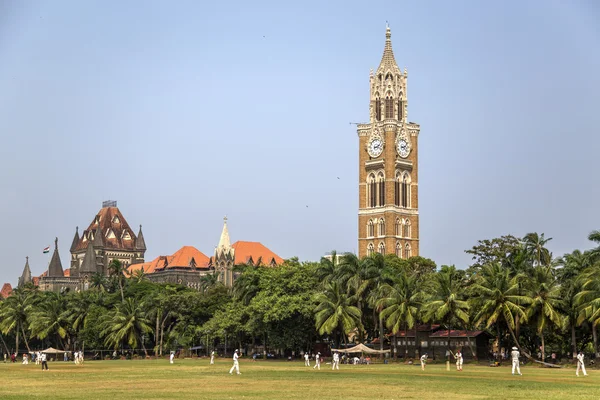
225	219
27	258
56	243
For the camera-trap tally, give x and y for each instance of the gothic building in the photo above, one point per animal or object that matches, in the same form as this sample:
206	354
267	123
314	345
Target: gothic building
107	238
388	215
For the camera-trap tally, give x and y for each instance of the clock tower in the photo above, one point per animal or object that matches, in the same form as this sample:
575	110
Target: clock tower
388	214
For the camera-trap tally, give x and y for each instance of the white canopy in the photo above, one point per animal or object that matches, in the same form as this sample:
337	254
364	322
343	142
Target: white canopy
361	348
52	350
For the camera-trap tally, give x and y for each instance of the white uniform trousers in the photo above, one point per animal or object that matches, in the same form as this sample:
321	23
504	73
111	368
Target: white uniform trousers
581	366
236	366
515	364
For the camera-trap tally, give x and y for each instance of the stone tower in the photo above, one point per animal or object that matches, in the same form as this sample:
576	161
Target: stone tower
224	257
388	214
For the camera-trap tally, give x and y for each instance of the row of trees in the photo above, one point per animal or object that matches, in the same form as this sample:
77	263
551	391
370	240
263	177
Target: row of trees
514	289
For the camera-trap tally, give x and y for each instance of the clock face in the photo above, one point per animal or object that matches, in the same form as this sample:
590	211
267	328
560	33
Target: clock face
375	147
403	147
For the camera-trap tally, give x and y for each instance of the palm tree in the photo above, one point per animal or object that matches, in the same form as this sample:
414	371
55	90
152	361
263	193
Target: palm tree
328	267
246	286
117	271
594	236
335	311
535	245
99	282
400	303
48	317
498	299
128	322
446	304
588	300
545	302
208	281
13	314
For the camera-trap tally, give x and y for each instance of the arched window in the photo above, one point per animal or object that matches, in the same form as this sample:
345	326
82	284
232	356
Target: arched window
397	191
398	250
381	227
370	228
381	187
371	191
407	252
370	249
398	227
389	107
407	228
400	107
381	248
378	108
406	190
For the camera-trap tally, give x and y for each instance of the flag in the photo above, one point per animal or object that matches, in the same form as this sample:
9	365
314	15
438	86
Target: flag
47	250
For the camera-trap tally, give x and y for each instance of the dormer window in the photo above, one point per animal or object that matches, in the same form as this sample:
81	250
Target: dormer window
126	235
116	220
110	234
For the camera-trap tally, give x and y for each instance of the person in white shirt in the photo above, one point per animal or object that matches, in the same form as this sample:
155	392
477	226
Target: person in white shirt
172	357
336	361
318	361
423	361
44	362
212	357
459	360
514	355
25	359
236	364
306	360
580	364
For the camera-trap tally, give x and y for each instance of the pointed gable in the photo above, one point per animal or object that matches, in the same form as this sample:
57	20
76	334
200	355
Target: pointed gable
55	268
388	62
188	257
224	249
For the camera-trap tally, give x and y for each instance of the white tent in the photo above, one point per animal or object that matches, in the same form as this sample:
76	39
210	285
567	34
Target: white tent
52	350
361	348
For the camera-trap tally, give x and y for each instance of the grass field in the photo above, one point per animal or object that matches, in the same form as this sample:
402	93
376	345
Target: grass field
195	379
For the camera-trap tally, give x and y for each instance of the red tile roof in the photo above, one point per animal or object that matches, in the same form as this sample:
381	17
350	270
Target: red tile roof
158	263
456	333
6	290
184	256
109	218
255	252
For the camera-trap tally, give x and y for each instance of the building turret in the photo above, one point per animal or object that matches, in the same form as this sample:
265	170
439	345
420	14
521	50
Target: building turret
55	268
224	257
26	275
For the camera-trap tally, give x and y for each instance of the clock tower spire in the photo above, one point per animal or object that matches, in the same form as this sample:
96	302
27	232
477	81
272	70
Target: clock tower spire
388	215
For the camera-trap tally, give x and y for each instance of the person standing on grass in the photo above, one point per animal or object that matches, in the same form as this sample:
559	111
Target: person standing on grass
306	360
580	364
318	361
212	357
236	364
423	361
459	360
336	361
172	357
44	362
514	355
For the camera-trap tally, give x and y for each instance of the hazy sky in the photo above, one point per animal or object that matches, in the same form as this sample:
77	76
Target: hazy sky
185	112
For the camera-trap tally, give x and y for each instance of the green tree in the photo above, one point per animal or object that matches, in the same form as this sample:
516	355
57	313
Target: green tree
117	271
48	317
13	314
335	311
127	322
535	244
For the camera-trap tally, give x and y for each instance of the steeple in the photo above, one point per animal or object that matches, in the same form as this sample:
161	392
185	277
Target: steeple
26	276
140	243
98	241
55	268
388	62
224	248
75	240
88	266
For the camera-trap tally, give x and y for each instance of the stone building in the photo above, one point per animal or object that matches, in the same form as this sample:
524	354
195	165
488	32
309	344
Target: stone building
388	215
188	265
108	237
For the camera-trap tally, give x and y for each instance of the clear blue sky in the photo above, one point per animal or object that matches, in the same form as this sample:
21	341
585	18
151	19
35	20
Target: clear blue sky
188	111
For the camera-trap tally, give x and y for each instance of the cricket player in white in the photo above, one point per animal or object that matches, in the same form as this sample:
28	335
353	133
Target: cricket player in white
318	361
172	357
336	361
236	364
580	364
514	354
306	360
423	360
212	357
459	360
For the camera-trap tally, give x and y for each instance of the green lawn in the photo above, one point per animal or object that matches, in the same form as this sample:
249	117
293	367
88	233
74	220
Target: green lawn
195	379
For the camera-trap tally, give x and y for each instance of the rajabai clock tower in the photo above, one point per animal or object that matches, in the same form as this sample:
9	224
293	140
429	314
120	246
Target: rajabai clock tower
388	214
